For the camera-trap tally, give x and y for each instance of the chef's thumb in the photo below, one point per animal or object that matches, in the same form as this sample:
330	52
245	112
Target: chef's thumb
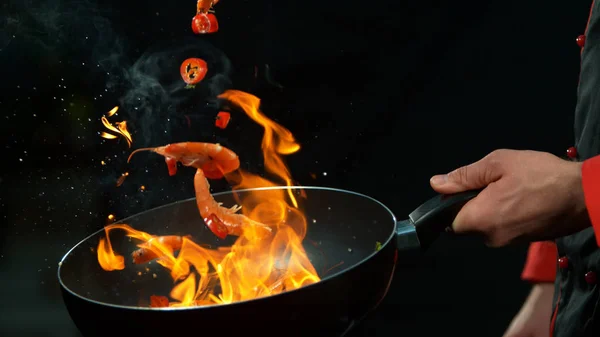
471	177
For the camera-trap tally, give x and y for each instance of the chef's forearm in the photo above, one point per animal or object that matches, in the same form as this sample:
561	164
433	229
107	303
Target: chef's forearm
590	177
540	265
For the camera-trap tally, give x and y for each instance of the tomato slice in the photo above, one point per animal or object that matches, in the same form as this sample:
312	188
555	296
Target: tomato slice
205	23
216	226
222	119
193	70
171	165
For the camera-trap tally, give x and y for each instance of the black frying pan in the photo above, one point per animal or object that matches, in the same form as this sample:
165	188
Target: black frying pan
347	229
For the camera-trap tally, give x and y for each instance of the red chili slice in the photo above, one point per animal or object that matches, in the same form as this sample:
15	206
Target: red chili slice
193	70
216	226
222	119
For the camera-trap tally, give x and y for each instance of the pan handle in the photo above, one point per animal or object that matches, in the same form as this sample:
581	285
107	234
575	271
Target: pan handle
431	219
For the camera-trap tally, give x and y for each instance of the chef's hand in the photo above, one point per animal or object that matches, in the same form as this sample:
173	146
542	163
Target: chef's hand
533	320
528	195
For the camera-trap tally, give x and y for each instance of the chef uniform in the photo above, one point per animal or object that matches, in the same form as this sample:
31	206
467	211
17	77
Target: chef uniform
576	305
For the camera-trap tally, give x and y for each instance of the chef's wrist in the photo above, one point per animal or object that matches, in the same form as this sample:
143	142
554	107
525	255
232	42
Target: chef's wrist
574	189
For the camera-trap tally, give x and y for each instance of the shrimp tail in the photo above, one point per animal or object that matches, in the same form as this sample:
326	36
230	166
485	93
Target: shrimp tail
153	149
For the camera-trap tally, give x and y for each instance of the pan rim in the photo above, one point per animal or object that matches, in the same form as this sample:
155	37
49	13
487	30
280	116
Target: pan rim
329	277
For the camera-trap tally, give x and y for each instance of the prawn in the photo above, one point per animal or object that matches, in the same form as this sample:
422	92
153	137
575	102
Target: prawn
215	160
146	254
228	221
212	161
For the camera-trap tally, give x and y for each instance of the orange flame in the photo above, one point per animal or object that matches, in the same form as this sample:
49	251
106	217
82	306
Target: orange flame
251	267
276	141
121	128
112	111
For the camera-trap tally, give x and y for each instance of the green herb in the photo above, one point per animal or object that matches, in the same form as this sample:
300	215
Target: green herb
378	245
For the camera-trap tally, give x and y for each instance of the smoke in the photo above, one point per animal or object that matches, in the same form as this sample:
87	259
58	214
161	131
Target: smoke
154	90
148	85
47	25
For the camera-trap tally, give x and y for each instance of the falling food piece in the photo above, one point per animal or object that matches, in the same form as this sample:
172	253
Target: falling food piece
212	161
111	217
102	162
122	178
222	119
159	301
142	188
193	71
205	23
312	175
378	245
253	266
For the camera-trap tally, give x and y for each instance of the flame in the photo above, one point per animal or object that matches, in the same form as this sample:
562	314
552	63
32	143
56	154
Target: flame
276	141
251	267
106	256
107	135
121	128
112	111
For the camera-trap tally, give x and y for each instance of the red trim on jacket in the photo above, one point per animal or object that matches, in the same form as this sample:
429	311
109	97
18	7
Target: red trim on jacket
590	178
540	265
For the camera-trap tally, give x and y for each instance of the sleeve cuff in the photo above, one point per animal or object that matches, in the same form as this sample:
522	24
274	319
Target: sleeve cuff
590	178
540	265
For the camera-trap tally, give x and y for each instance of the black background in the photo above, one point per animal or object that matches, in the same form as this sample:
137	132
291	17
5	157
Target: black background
380	95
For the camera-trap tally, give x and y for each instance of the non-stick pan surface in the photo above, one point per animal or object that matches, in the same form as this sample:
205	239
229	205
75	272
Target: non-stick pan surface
344	229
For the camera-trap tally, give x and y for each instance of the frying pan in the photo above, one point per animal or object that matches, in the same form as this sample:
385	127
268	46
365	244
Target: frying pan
344	229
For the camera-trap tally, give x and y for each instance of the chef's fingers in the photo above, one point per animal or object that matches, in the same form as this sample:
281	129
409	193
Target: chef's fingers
474	176
480	215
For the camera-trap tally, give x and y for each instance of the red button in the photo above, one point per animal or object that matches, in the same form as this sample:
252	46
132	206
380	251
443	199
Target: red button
590	277
563	262
572	152
580	40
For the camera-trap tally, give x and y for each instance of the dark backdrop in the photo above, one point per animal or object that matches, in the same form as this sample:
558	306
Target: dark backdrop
380	96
